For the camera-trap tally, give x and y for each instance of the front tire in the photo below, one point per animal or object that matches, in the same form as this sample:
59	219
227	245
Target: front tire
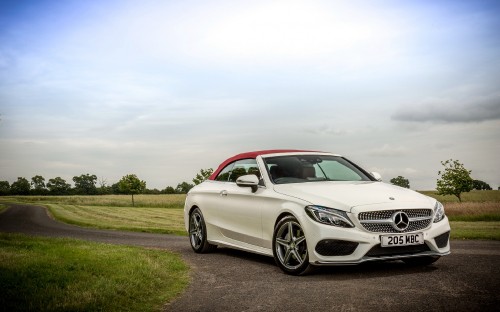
290	247
198	233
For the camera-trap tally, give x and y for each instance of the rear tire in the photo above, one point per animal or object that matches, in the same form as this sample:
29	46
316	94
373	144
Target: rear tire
198	233
421	261
290	247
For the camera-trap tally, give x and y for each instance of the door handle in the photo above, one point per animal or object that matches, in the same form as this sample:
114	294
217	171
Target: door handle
223	193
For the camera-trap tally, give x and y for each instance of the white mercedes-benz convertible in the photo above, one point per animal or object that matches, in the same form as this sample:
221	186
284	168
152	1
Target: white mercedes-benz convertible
310	209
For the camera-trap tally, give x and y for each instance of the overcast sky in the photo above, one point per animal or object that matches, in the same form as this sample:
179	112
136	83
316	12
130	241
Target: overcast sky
164	88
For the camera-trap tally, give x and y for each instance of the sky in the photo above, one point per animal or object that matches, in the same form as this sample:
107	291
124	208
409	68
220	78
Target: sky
164	88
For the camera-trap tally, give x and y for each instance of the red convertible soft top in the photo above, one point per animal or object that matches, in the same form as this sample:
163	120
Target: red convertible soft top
248	155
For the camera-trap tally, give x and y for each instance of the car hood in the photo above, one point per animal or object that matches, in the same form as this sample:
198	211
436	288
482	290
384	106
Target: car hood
347	195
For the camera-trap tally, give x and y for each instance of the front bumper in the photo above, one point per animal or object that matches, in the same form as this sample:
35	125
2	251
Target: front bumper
366	245
381	258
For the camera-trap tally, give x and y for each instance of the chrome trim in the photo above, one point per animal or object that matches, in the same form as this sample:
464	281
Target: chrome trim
389	221
384	258
372	223
400	221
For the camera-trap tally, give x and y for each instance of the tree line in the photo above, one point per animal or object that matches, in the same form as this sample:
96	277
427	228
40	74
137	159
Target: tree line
454	180
89	184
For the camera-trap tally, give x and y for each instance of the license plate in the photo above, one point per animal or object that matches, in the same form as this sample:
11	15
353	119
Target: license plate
402	239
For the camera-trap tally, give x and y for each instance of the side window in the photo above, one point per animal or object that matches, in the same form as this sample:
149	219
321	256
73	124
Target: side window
237	172
254	170
243	167
224	174
237	169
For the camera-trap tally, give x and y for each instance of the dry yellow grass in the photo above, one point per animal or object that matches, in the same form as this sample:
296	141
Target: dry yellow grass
472	208
153	201
155	220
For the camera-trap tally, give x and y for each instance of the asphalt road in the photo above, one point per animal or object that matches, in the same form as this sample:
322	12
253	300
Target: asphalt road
229	280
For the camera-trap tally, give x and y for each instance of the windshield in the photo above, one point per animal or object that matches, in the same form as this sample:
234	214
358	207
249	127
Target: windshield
312	168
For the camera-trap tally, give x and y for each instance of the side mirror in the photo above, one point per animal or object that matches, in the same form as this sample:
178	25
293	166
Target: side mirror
377	176
249	180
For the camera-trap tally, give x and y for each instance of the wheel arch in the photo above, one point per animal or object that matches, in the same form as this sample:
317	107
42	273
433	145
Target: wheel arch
187	215
282	215
193	207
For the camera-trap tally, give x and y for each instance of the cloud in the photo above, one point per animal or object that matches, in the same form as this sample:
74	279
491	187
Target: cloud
325	130
388	150
165	88
452	110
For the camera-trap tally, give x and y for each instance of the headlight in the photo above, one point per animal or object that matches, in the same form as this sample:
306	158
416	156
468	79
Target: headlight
438	212
329	216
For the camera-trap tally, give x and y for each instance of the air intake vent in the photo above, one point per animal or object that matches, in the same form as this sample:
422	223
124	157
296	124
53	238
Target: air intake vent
333	247
442	240
379	251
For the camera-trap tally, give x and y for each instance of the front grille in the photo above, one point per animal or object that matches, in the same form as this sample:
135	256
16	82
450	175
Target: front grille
333	247
442	240
381	221
379	251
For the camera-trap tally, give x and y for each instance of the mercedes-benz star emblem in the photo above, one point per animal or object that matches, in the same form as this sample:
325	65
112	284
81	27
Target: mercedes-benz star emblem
400	221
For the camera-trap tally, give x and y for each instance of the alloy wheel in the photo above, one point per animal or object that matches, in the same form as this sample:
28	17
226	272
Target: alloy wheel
290	245
196	230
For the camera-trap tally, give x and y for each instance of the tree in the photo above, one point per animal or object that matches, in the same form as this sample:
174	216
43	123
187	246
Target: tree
115	188
480	185
85	184
38	183
400	181
168	190
130	184
203	175
455	179
104	188
154	191
20	187
58	186
183	188
4	188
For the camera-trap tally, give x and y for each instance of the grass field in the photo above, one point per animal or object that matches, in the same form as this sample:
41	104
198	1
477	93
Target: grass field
163	213
152	220
42	274
472	196
149	201
473	211
475	230
476	217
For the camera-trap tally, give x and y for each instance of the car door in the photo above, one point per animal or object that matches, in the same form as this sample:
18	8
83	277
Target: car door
239	208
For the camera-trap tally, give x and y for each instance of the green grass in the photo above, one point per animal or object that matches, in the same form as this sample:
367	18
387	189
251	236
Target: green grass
475	230
151	220
473	211
472	196
42	274
2	207
476	218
